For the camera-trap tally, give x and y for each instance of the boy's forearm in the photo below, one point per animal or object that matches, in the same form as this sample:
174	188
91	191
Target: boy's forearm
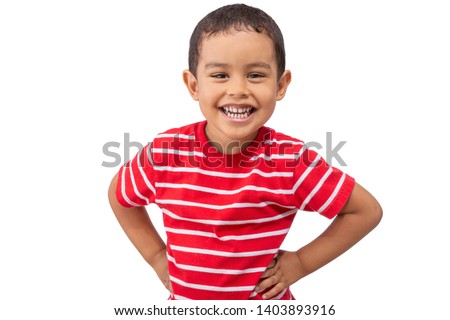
358	218
338	238
138	227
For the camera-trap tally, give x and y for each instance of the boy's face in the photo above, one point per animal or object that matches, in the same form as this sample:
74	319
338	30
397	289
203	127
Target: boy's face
236	86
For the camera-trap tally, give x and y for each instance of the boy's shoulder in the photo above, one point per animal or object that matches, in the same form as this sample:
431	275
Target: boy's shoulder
280	143
280	138
186	130
183	134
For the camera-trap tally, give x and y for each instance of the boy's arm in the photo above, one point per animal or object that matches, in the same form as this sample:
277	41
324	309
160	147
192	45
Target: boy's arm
359	216
138	227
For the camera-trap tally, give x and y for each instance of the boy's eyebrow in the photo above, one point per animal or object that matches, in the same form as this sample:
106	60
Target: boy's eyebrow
250	65
259	65
215	65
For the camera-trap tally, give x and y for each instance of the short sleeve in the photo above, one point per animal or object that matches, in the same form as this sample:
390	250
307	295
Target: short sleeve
318	186
135	184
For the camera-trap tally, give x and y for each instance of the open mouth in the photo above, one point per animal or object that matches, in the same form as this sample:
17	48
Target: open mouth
237	112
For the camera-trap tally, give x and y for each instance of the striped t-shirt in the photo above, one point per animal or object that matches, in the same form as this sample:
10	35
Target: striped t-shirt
226	216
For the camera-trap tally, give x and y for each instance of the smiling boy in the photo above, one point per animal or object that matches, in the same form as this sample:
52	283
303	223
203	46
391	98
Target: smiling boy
237	84
229	187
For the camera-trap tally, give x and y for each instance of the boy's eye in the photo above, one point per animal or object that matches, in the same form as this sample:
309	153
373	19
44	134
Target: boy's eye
255	75
219	75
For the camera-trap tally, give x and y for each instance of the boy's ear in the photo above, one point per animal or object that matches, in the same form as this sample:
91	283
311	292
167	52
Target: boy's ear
191	84
283	84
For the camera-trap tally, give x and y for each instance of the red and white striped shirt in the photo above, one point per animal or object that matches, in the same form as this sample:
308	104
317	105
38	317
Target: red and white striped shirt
226	216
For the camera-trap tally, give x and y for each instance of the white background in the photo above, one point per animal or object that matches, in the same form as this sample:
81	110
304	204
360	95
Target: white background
77	74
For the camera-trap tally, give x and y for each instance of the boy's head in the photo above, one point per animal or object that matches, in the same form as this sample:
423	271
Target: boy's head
236	17
236	73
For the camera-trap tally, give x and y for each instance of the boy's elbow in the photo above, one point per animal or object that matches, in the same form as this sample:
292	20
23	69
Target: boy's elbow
112	191
364	202
376	213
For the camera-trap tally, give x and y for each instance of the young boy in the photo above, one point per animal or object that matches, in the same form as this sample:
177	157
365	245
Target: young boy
229	187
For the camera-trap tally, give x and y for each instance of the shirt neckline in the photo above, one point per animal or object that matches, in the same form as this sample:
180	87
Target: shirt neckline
249	152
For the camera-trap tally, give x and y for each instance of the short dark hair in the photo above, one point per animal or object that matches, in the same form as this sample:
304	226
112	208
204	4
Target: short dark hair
236	17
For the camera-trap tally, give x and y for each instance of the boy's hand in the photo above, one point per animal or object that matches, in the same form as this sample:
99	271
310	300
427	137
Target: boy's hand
357	218
283	271
160	265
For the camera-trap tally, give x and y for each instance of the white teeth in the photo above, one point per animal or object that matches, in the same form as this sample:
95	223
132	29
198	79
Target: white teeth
237	112
237	109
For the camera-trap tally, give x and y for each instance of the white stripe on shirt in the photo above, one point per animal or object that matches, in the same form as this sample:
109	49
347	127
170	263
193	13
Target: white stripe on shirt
178	297
224	253
284	141
316	188
144	176
135	188
220	191
224	174
211	270
175	135
179	152
305	174
210	288
226	238
333	195
220	207
275	156
122	187
280	295
230	222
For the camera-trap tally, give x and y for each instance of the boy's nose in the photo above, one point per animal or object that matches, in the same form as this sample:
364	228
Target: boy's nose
238	88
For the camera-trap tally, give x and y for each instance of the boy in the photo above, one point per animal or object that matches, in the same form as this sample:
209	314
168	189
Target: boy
229	187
